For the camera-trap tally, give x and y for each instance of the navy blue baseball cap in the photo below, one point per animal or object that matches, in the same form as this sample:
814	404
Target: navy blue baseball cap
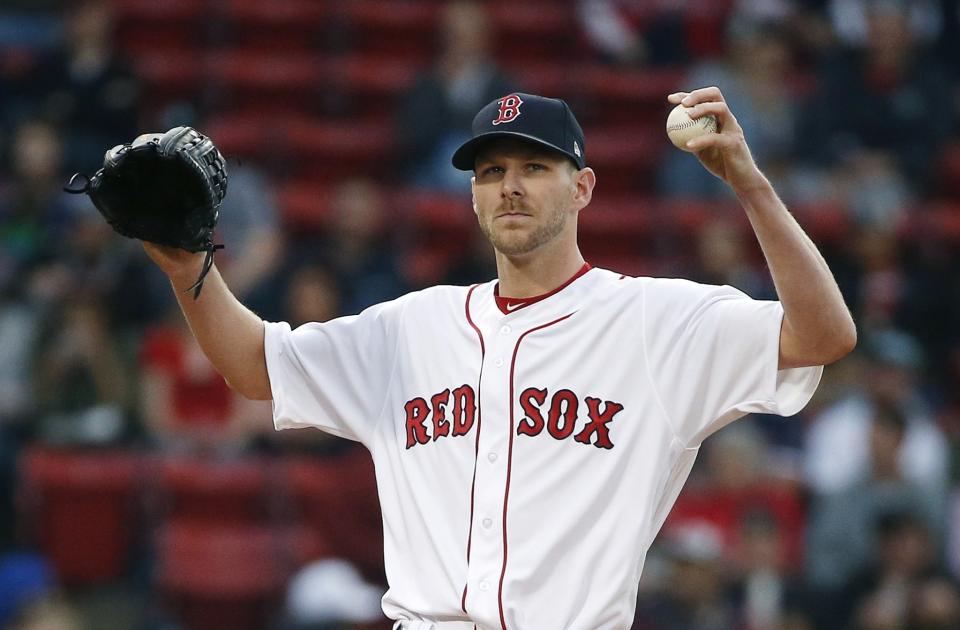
544	121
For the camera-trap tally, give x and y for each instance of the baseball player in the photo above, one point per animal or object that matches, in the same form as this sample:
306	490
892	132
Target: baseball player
530	434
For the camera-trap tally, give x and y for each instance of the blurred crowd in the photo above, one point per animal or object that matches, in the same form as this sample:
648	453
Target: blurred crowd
845	516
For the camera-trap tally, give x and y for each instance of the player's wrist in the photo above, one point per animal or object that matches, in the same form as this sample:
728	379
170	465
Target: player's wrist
184	275
751	186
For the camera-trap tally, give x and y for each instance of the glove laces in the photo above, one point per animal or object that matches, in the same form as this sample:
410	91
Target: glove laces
197	286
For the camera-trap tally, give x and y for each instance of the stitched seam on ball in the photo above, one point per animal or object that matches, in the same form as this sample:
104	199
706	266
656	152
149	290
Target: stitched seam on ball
690	123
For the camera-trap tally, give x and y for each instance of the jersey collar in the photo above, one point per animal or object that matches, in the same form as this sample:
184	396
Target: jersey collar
509	305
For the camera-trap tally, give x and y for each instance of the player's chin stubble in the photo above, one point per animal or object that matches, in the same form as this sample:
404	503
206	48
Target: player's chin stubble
515	242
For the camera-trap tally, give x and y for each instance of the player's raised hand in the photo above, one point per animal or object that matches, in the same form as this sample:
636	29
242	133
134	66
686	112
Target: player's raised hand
179	264
725	153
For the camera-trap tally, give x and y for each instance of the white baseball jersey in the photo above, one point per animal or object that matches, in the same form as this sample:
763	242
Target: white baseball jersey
525	460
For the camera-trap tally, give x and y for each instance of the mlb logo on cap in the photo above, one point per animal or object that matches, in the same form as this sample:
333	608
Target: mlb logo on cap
548	122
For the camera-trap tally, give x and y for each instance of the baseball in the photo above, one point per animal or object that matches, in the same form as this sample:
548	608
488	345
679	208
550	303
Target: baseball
681	128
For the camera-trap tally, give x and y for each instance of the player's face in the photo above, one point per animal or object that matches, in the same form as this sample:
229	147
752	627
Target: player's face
524	196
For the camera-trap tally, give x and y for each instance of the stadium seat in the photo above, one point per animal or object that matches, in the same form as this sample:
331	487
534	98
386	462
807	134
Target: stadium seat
279	74
535	30
304	205
336	498
80	508
227	576
625	157
144	25
949	169
331	150
209	491
398	28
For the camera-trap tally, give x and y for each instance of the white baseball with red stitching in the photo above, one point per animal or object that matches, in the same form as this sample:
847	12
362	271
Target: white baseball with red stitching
681	128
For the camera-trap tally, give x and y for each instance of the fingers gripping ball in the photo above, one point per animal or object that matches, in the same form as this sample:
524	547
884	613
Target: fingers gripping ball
165	188
681	128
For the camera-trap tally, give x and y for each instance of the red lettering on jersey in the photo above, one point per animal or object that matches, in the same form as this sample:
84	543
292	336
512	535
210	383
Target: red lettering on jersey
417	412
531	399
509	109
598	422
563	405
440	425
464	410
562	416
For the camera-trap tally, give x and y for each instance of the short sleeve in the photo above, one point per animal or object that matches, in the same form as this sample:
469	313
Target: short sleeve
713	356
334	375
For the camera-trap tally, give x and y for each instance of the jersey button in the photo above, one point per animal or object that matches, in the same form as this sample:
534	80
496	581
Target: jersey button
498	362
484	585
492	457
505	330
487	523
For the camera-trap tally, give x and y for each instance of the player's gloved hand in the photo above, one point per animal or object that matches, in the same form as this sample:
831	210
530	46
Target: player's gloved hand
725	154
163	188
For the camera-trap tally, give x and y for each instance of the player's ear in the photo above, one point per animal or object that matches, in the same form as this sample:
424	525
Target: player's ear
584	181
473	194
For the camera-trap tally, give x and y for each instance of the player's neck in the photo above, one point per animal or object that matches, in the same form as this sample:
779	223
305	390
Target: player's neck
538	272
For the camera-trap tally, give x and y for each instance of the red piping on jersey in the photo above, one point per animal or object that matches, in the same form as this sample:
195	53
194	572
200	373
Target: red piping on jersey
506	491
509	305
476	452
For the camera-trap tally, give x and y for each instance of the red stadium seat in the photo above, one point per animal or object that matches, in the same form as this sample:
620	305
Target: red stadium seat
625	158
219	577
304	205
218	492
331	150
164	11
336	498
81	509
279	74
949	170
535	30
399	28
144	25
289	14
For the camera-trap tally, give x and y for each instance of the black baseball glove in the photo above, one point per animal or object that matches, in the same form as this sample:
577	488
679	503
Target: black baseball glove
162	188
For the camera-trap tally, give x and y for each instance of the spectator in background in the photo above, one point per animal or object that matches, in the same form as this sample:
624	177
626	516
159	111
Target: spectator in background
722	259
837	450
435	114
873	110
839	540
90	92
312	295
34	213
52	613
187	406
901	585
25	579
693	597
331	594
82	389
626	32
735	484
755	76
850	19
361	247
765	591
249	226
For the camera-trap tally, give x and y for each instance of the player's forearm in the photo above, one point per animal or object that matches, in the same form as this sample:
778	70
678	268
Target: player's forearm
228	332
813	306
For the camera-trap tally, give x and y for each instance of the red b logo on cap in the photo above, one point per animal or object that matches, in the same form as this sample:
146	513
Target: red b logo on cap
509	109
